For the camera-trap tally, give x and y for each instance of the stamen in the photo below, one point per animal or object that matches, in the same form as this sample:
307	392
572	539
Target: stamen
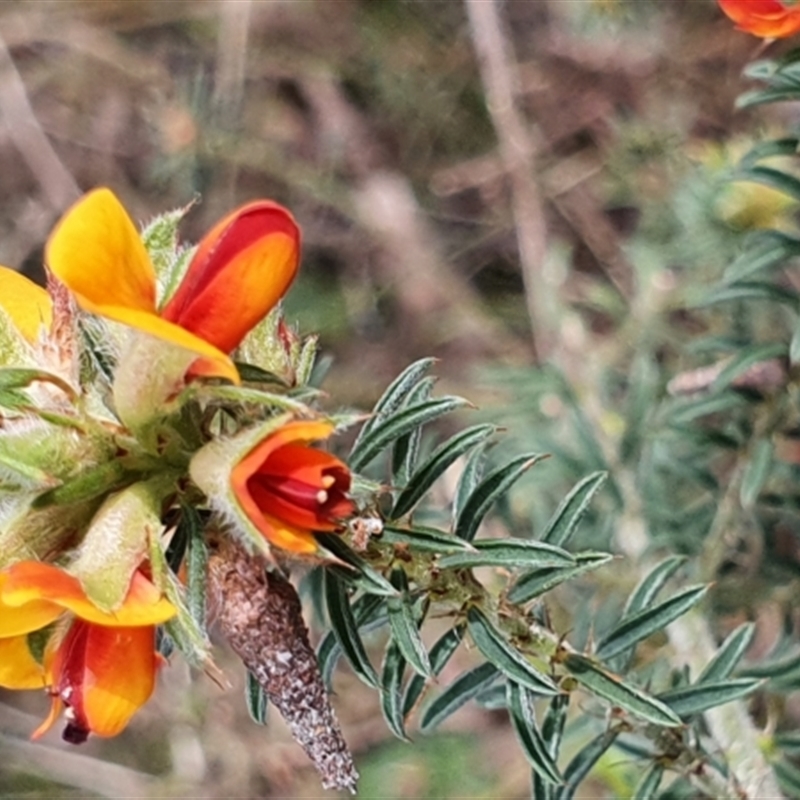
327	481
322	497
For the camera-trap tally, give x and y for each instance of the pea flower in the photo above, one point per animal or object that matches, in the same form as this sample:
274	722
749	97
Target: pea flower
769	19
240	270
269	482
27	306
101	667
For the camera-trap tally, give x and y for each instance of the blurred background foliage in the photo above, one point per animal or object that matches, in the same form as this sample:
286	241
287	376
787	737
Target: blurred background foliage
549	213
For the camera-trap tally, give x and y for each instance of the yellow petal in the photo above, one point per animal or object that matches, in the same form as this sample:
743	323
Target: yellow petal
97	253
28	305
17	619
18	668
30	584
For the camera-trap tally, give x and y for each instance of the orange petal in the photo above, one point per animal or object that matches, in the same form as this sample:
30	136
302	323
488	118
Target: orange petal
121	668
280	533
104	675
28	305
97	253
242	268
18	668
29	582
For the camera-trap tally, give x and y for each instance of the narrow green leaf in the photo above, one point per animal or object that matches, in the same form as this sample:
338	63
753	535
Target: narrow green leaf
369	612
770	176
753	290
533	743
781	672
393	398
345	629
616	691
727	657
788	741
428	539
762	252
583	762
361	574
405	451
686	411
770	148
256	699
399	424
505	656
651	584
690	700
196	560
405	629
439	655
634	628
434	467
569	513
394	665
788	776
489	490
756	472
470	477
509	553
535	583
648	784
459	692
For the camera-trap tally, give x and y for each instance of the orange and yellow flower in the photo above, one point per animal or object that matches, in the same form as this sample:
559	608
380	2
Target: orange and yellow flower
769	19
288	489
274	485
240	270
99	665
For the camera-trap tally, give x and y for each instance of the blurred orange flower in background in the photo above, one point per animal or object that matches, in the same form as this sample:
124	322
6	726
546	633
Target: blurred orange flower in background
768	19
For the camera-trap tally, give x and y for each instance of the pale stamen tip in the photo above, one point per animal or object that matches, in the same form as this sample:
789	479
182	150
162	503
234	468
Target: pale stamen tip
322	497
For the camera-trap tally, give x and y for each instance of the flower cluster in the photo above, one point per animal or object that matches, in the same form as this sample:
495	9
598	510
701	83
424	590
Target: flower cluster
121	410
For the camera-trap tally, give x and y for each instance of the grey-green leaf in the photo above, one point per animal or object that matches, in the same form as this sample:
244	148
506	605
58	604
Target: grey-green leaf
256	699
727	657
632	629
428	539
362	574
394	665
489	490
616	691
399	424
434	467
648	784
756	472
583	761
459	692
690	700
530	738
405	634
439	655
505	656
536	582
393	398
570	511
345	628
509	553
651	584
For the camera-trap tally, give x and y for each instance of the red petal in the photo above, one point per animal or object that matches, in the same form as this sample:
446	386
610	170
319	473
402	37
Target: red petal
242	268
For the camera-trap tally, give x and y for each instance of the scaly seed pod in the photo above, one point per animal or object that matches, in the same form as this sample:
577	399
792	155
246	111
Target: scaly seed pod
260	615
